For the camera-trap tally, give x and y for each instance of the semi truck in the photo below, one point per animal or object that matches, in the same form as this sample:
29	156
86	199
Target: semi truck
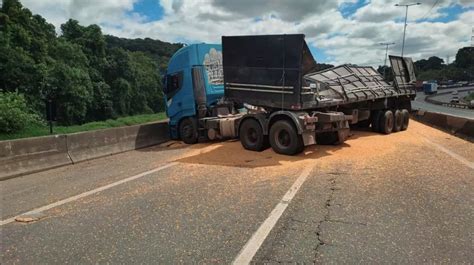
430	87
266	91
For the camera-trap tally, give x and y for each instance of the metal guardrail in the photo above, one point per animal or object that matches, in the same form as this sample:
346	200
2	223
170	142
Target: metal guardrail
457	105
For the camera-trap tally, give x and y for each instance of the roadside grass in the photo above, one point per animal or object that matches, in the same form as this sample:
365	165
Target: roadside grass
42	130
469	97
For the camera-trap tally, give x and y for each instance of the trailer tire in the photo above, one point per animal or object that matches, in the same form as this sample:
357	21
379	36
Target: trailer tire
398	121
327	138
386	122
284	138
405	118
251	135
376	120
188	131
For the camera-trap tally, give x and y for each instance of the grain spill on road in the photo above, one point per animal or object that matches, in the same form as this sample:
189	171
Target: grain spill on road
364	151
362	146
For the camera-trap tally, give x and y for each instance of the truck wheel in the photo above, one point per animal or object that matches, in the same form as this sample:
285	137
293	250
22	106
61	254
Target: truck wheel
251	136
188	131
405	119
284	139
376	120
398	120
327	138
386	122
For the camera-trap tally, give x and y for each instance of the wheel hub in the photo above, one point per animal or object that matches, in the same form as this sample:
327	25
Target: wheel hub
252	135
284	138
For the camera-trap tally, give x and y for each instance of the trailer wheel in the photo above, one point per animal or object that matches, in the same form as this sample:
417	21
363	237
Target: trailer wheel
327	138
251	135
386	122
376	120
405	118
398	121
188	131
284	139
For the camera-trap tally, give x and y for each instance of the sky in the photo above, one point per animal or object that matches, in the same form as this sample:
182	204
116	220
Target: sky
337	31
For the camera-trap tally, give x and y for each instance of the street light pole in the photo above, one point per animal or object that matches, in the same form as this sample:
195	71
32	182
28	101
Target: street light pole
386	44
406	16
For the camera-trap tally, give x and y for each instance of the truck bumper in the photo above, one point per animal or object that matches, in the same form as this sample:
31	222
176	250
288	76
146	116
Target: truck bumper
173	131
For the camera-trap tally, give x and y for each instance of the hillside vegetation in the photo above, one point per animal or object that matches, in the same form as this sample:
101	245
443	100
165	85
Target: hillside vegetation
435	68
90	76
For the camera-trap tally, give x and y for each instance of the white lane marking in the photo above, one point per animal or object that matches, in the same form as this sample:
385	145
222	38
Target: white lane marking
451	153
251	247
87	193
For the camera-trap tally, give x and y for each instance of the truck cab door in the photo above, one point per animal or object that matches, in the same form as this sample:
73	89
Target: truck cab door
179	95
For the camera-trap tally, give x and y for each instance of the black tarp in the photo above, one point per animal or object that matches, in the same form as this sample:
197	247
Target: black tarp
266	70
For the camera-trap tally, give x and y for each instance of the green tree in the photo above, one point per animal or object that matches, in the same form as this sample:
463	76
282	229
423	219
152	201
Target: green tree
386	72
148	95
14	112
465	57
72	89
91	76
122	95
433	63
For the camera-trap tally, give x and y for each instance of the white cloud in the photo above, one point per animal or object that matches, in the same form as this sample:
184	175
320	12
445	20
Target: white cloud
353	39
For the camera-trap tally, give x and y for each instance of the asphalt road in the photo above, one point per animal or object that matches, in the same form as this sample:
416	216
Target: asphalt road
421	104
400	198
448	97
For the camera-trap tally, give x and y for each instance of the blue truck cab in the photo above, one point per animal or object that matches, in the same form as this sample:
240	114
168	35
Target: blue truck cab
193	82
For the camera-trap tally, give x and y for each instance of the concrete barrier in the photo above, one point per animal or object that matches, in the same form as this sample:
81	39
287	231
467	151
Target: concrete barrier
25	156
458	126
19	157
94	144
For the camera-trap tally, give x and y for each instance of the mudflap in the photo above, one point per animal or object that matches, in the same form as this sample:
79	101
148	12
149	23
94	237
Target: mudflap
309	138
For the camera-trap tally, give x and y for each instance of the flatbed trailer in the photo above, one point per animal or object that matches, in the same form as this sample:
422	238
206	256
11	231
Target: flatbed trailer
271	96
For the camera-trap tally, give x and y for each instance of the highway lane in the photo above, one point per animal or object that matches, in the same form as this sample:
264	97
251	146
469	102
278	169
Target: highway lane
448	97
404	198
420	104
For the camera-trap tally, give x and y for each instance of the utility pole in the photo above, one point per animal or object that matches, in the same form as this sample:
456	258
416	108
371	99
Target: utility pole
386	44
406	16
472	37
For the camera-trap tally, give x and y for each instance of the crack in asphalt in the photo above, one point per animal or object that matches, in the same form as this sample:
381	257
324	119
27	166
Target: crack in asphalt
346	222
326	216
318	231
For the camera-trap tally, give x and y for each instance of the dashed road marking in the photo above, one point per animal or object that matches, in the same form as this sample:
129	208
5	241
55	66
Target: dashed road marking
252	246
87	193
